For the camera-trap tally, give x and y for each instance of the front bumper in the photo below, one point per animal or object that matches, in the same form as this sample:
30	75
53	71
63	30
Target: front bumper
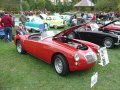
85	62
118	41
80	66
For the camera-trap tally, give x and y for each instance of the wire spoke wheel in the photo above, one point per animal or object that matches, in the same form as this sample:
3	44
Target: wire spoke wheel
19	47
61	65
58	65
108	43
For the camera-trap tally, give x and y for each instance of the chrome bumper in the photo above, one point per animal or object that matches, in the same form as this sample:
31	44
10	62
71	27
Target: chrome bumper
118	42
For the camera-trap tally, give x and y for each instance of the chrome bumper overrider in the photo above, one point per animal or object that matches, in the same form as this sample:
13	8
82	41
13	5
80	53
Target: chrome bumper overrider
91	57
118	42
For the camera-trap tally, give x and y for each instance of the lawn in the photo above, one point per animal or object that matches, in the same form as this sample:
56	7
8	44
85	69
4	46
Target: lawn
25	72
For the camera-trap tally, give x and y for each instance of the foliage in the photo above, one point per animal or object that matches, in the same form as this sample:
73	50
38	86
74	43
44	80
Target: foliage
49	6
9	6
26	5
107	5
118	8
100	5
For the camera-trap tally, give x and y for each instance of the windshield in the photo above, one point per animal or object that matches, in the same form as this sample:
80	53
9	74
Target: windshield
94	26
49	34
37	19
57	18
34	19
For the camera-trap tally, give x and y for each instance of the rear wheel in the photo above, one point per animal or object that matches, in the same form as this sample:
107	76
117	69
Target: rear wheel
61	65
108	42
55	26
19	47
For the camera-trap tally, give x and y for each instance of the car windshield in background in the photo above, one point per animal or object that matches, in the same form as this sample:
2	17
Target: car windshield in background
37	19
57	18
94	27
34	19
116	22
49	33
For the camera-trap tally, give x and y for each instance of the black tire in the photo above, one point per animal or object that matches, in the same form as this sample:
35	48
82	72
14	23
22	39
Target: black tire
13	37
64	68
55	26
19	47
108	42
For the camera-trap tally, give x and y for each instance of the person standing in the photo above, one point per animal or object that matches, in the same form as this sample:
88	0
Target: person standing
7	24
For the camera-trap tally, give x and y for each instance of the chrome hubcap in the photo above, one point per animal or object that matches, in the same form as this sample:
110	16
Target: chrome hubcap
108	43
19	47
58	65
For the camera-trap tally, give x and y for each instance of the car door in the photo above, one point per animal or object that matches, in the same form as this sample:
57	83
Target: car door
92	36
44	50
30	46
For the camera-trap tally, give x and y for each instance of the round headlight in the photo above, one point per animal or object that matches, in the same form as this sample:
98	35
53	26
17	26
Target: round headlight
76	57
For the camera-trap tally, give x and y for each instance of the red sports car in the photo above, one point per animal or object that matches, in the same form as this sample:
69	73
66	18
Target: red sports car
109	26
55	48
114	25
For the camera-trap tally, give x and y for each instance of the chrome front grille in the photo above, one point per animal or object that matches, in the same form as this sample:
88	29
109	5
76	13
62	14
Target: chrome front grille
91	57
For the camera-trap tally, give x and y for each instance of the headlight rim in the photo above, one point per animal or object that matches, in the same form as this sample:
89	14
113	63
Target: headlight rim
77	57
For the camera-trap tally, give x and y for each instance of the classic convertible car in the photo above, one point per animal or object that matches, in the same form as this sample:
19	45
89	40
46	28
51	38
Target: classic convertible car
53	21
93	33
55	48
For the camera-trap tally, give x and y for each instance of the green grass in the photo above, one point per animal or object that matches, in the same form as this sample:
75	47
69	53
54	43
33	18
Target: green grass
25	72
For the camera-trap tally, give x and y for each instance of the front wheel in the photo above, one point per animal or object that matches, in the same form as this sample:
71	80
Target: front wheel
108	42
61	65
19	47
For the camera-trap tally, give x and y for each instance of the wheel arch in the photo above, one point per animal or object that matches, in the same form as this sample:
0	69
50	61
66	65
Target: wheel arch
57	53
112	39
64	61
109	38
16	41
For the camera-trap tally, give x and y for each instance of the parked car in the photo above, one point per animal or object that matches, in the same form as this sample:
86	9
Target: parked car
66	19
17	22
55	48
111	26
53	21
35	23
93	33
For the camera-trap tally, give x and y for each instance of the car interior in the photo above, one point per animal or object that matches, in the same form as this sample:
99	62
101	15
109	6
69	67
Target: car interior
35	37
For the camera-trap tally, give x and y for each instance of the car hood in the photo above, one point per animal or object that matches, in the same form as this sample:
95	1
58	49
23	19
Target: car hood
108	23
68	31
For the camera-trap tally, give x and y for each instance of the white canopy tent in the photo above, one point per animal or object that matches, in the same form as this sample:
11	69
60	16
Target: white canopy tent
84	3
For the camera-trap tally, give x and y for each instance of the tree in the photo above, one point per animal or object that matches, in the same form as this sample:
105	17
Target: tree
106	5
103	5
49	6
26	6
8	5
